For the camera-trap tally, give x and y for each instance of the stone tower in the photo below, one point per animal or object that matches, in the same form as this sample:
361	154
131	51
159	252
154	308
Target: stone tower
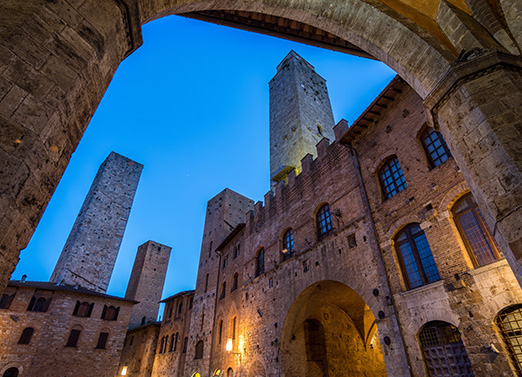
146	282
300	115
88	257
226	213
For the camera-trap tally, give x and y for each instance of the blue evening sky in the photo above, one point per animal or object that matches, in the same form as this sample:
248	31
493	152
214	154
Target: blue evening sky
191	104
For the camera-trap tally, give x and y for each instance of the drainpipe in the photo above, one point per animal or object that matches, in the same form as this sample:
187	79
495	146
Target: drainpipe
377	246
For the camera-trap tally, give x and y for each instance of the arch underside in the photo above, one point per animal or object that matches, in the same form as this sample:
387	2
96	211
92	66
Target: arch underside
330	331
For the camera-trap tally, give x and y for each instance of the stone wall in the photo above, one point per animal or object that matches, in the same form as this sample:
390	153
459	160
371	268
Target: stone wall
224	213
467	296
88	257
146	282
139	351
172	349
47	353
300	114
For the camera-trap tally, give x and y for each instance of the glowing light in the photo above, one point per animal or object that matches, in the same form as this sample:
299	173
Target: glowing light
124	371
228	347
18	141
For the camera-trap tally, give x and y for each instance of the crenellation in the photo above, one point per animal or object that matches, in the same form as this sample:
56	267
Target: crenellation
306	163
322	148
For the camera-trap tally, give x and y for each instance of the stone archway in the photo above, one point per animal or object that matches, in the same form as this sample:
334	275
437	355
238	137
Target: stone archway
330	331
57	58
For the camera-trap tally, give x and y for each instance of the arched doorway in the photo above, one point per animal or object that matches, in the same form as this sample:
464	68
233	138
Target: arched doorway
330	331
11	372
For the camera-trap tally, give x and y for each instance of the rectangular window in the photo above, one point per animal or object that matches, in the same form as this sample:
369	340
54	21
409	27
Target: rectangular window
102	340
73	338
352	242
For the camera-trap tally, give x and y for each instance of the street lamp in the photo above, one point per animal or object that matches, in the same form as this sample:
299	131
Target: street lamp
228	348
124	371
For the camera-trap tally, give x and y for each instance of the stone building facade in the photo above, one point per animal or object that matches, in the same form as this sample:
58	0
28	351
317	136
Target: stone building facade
373	259
69	326
60	330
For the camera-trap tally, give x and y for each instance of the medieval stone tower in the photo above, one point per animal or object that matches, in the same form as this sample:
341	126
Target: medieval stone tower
300	115
226	212
88	257
146	282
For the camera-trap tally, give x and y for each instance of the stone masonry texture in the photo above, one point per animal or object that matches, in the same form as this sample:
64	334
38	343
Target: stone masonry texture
341	305
300	113
58	57
47	353
146	282
88	257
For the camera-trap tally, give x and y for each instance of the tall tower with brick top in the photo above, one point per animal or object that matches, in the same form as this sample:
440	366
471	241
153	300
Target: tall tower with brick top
146	282
300	115
88	257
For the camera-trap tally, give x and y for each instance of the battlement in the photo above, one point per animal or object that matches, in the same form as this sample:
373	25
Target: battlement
331	159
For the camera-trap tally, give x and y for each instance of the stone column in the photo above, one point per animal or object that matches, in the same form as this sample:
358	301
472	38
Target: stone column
478	107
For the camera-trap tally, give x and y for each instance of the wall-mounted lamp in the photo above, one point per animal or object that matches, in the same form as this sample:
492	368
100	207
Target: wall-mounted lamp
228	348
124	371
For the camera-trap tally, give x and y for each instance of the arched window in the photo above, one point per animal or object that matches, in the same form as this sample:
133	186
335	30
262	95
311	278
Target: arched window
83	309
234	282
6	300
223	290
474	232
230	372
324	222
74	335
25	338
180	307
415	256
11	372
199	350
288	244
237	251
110	313
39	304
435	147
444	352
260	262
509	322
391	178
102	340
206	283
185	343
143	319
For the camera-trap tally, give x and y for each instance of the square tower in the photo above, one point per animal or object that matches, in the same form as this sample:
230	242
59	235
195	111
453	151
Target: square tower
300	115
88	257
146	282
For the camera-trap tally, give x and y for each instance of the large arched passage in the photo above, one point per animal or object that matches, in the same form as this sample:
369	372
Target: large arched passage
58	57
330	331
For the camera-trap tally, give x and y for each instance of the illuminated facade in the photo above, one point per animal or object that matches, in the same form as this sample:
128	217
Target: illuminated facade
373	260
